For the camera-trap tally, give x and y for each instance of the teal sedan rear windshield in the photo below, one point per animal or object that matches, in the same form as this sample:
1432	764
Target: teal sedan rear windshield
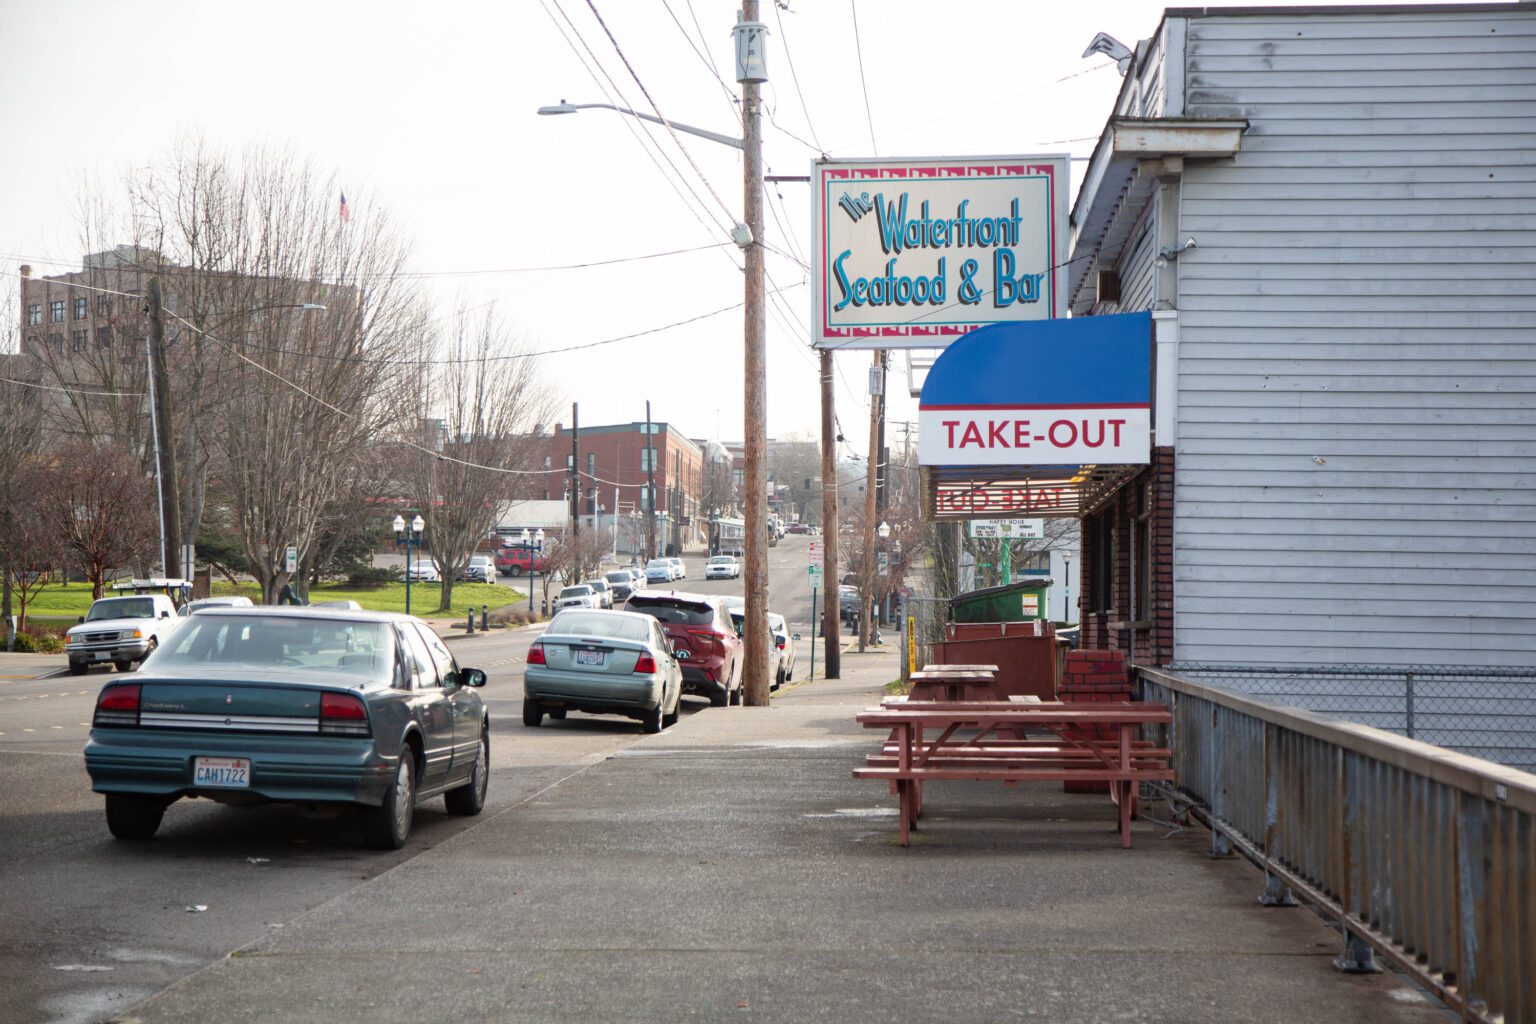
334	647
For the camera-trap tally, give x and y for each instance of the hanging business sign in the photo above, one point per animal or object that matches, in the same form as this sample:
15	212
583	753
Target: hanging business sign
1067	392
913	253
1007	529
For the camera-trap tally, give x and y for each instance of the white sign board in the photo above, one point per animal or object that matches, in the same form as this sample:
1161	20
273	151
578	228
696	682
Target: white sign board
915	252
815	554
1038	436
1007	529
814	572
291	560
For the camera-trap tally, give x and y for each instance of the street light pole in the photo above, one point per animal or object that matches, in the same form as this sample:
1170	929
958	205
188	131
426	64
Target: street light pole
165	449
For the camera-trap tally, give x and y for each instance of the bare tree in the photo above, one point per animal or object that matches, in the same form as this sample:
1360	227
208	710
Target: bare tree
102	506
476	435
30	548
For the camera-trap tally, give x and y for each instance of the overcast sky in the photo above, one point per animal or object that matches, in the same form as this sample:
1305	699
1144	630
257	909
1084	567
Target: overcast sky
429	111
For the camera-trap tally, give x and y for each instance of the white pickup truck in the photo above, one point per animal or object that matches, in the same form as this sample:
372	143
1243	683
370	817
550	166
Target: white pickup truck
121	630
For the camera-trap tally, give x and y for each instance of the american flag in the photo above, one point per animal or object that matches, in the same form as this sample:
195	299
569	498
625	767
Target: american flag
346	211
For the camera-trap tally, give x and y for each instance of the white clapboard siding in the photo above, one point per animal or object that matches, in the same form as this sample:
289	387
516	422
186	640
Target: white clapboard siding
1356	468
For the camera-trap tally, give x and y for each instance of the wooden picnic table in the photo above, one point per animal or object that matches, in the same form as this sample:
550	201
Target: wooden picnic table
994	748
954	682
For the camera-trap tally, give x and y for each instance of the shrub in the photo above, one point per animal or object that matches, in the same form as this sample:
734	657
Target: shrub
39	642
365	577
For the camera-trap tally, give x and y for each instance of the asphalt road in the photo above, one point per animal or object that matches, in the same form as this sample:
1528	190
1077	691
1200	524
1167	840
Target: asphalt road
74	901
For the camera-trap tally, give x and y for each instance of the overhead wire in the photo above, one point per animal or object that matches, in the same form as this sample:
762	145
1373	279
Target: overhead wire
794	77
730	97
858	46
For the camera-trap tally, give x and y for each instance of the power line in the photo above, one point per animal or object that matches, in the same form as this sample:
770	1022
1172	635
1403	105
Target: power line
730	97
795	78
73	391
859	49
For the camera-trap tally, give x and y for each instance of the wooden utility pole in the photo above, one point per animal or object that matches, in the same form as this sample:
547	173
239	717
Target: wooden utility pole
830	613
876	414
165	448
575	480
755	571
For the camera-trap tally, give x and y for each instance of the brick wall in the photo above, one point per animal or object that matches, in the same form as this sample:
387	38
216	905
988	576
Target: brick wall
1095	676
1146	497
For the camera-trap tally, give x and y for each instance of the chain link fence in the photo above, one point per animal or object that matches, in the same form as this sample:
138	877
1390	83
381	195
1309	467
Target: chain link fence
1484	712
929	614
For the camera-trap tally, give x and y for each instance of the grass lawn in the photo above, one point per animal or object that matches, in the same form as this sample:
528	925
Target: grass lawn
63	604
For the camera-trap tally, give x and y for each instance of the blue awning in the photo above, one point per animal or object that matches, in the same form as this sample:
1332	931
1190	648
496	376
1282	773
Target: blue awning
1036	419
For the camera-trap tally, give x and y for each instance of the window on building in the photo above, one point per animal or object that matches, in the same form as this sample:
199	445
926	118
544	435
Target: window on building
647	459
591	464
104	336
546	466
570	461
56	311
103	305
77	340
56	342
35	313
1101	584
1141	570
647	499
82	306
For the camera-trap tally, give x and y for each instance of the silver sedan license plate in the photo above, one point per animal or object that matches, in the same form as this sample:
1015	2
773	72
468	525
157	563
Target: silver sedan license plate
222	772
590	657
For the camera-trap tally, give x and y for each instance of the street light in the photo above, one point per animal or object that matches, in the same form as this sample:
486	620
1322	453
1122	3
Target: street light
534	546
1066	612
751	71
407	540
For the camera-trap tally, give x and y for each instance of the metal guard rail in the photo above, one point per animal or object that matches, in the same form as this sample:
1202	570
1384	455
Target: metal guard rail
1427	856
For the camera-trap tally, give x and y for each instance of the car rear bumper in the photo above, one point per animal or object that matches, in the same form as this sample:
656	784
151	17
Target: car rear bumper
581	691
319	769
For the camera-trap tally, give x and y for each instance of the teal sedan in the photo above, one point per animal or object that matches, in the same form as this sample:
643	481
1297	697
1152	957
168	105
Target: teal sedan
301	705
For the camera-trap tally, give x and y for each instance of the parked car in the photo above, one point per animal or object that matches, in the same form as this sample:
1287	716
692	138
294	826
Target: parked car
603	589
638	575
518	561
798	528
782	649
660	570
345	604
622	582
481	569
680	568
603	663
423	570
703	640
120	630
722	567
578	596
303	705
231	601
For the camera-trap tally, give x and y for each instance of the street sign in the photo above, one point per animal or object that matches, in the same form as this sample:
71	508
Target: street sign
883	562
814	572
291	562
1007	529
815	554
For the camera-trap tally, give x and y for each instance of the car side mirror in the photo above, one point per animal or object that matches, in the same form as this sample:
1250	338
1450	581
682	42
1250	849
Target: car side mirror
82	618
796	636
472	676
165	615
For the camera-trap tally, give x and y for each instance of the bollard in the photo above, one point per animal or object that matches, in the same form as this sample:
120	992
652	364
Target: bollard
485	619
471	622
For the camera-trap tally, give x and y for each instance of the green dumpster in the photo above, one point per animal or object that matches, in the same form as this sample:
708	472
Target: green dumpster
1020	601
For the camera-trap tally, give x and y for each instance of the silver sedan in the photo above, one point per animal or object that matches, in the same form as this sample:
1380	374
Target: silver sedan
604	663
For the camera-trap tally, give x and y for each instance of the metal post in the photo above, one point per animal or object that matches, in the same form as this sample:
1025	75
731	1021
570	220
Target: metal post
407	573
485	618
575	479
1408	701
471	627
813	634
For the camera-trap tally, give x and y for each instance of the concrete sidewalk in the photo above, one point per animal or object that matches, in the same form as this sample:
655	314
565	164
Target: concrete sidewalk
18	667
730	868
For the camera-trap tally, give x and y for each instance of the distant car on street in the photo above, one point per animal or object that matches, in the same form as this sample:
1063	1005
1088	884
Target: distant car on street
423	571
603	663
660	570
681	569
603	589
577	596
722	567
781	653
798	528
519	561
121	631
231	601
849	604
622	582
703	641
481	569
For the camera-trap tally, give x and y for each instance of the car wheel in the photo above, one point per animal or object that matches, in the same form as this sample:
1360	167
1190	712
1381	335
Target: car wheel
720	700
670	720
78	668
651	720
123	666
736	696
134	817
778	680
389	824
469	799
533	713
514	572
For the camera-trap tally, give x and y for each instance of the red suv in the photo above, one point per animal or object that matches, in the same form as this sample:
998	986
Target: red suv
516	561
703	641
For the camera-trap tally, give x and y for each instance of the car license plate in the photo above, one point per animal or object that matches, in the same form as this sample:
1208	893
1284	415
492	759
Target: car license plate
222	772
102	655
590	657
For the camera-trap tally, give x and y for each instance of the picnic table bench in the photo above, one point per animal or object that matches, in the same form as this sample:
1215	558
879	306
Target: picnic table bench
994	747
